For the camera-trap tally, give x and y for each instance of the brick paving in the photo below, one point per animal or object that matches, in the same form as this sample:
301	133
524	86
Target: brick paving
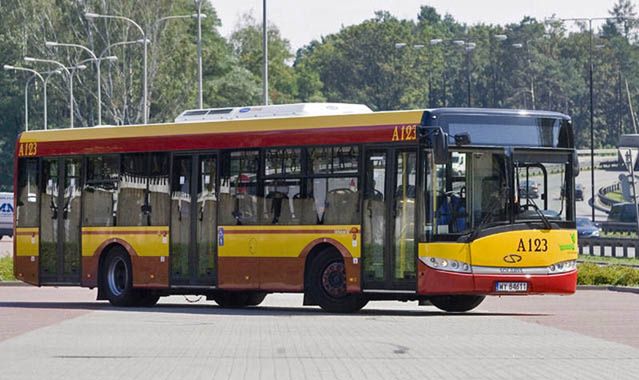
509	338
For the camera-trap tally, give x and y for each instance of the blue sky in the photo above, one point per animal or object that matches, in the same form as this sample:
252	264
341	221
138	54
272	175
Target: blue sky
301	21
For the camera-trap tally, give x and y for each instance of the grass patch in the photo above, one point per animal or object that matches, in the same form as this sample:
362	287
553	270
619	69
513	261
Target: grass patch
615	196
6	269
592	274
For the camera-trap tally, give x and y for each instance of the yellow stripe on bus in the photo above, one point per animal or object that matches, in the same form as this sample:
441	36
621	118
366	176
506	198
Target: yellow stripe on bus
145	241
284	241
27	241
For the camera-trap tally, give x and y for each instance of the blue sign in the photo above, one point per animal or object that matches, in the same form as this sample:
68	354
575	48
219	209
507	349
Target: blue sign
6	208
243	110
220	237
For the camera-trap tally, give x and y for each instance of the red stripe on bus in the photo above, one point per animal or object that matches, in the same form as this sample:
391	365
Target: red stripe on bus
123	232
298	137
27	233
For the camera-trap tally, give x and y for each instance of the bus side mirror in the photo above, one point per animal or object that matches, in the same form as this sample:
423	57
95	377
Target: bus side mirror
439	142
575	164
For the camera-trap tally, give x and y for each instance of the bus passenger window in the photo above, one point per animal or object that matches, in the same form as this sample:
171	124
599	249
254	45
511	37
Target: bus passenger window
334	186
132	185
283	199
158	195
238	188
100	193
28	193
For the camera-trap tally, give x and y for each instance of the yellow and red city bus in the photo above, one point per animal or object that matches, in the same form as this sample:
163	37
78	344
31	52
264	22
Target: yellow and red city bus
440	205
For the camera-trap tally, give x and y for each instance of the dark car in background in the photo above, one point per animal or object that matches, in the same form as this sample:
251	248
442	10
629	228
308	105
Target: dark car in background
579	192
528	189
623	212
586	228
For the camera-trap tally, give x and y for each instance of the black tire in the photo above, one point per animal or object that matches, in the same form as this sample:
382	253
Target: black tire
147	298
232	300
255	298
327	284
457	304
117	279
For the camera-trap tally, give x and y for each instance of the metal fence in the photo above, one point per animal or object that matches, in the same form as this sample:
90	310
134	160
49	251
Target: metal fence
609	247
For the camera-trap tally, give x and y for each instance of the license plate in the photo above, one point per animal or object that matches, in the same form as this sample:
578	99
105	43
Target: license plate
511	287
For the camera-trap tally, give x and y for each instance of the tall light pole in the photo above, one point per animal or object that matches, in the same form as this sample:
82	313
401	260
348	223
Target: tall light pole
468	48
265	54
494	62
402	45
146	42
532	77
199	16
592	103
26	93
438	41
69	76
97	69
198	5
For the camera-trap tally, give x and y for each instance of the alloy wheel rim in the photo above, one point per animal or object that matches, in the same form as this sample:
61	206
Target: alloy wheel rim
117	276
334	280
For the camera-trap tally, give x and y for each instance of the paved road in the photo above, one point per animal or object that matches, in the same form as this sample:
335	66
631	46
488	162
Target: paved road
62	334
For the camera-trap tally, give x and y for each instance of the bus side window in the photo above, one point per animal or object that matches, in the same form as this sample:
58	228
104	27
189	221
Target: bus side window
28	193
100	192
132	185
238	188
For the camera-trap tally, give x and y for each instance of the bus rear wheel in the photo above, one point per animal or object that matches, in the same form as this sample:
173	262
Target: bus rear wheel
227	299
118	279
327	284
255	298
231	300
147	298
457	304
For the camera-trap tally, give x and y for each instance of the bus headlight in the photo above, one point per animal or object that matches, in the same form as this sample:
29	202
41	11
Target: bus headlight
446	264
562	267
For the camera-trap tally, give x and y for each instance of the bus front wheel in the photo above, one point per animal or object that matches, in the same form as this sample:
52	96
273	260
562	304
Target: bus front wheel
327	284
457	304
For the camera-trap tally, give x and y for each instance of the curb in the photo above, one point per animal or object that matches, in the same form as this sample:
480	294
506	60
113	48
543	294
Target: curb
13	283
621	289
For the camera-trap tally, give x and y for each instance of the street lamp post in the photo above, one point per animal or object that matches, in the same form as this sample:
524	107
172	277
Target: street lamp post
199	16
26	93
69	75
532	77
265	54
97	68
146	42
592	116
198	5
494	40
468	48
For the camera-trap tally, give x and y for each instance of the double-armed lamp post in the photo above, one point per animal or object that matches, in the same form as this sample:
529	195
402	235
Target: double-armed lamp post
69	76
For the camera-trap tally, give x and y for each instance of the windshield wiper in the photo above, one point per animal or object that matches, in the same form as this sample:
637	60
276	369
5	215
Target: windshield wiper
495	202
543	217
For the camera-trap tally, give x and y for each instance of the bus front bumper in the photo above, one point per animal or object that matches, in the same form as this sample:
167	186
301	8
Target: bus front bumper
438	282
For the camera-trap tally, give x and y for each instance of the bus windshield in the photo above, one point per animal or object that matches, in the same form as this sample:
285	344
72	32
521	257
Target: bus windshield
483	188
471	191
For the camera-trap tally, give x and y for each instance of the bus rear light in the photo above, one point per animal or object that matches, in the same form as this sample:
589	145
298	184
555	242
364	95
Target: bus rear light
446	264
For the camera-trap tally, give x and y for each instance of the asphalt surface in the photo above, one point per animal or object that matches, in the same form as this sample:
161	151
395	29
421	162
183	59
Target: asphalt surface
49	333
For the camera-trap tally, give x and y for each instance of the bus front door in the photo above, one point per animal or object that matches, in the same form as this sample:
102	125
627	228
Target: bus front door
193	220
389	220
60	221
